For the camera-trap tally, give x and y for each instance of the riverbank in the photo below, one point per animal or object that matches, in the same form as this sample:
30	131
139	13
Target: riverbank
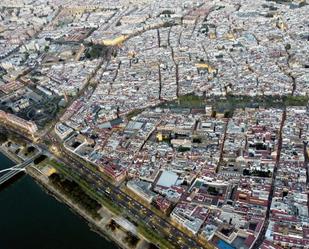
101	226
32	219
13	157
98	226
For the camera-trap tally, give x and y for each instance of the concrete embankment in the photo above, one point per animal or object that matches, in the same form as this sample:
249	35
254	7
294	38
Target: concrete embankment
98	226
10	155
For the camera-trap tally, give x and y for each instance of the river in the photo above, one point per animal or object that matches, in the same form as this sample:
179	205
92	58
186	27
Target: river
32	219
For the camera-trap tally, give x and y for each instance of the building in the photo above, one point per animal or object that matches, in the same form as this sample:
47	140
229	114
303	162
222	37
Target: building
29	126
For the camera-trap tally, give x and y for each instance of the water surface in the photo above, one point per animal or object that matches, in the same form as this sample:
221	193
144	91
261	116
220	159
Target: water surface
32	219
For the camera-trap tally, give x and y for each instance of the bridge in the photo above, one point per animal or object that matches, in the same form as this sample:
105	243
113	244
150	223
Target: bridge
13	171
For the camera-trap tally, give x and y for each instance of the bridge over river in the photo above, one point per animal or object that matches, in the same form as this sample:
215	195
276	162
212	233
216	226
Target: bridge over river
7	174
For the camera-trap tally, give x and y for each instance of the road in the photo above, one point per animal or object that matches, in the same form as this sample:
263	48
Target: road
261	237
133	208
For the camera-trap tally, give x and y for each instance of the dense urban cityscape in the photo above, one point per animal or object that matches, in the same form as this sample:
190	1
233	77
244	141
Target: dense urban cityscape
164	124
